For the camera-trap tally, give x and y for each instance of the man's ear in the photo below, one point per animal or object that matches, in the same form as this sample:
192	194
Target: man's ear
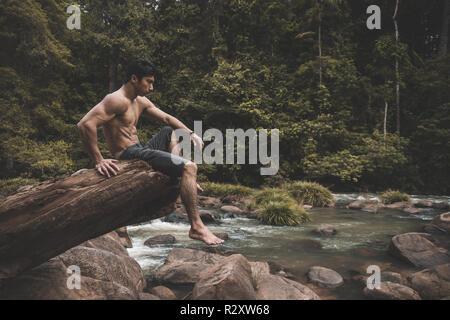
134	78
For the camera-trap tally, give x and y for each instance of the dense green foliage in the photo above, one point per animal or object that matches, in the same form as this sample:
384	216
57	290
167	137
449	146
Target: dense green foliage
310	193
237	64
391	196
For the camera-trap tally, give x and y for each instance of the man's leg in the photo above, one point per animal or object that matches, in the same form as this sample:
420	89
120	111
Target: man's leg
189	196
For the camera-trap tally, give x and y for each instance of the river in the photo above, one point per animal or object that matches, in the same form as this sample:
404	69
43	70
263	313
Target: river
362	239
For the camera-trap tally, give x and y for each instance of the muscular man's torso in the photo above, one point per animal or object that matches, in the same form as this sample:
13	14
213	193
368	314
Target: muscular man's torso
120	132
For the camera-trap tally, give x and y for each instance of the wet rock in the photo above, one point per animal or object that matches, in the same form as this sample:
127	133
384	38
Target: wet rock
163	293
307	206
441	205
325	230
399	205
148	296
176	217
107	272
417	249
273	287
208	217
222	235
309	244
391	277
230	279
232	209
440	223
183	266
161	239
324	277
391	291
412	210
254	214
372	206
423	204
124	237
208	202
432	283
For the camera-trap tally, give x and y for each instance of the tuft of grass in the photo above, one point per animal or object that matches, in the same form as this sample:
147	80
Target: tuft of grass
391	196
212	189
10	186
271	195
280	213
311	193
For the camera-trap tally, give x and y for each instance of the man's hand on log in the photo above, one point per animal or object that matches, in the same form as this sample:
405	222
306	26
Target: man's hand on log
107	165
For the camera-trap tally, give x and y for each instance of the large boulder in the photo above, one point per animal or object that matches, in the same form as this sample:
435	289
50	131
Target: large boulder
232	209
432	283
183	266
106	272
231	279
324	277
391	291
418	249
440	223
273	287
372	206
161	239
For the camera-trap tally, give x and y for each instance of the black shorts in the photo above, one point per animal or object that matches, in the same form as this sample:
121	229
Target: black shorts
156	153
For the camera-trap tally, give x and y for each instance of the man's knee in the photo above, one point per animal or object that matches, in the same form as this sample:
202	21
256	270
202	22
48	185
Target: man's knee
190	167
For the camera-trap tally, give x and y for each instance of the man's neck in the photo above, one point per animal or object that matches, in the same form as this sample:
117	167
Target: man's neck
128	91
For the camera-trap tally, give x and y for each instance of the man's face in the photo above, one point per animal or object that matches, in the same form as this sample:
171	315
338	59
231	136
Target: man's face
145	86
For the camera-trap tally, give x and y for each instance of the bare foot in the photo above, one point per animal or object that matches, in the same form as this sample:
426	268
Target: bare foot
199	189
204	235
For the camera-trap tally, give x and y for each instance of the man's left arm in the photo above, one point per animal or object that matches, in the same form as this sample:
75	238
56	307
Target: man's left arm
155	114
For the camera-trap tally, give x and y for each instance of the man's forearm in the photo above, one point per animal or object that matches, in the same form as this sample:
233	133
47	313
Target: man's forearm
88	136
177	124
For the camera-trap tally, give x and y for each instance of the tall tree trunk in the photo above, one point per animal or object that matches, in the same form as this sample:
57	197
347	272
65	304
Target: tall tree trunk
444	31
385	119
320	52
112	68
397	75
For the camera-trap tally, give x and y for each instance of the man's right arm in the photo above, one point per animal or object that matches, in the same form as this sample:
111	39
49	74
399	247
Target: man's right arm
106	110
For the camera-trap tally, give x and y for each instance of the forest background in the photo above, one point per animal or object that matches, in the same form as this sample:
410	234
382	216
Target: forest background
357	109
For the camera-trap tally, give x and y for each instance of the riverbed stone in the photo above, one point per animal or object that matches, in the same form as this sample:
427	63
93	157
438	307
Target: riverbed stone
274	287
372	206
229	279
418	249
440	223
324	277
432	283
160	240
308	244
183	266
423	204
441	205
176	217
163	293
232	209
208	217
325	230
208	202
391	291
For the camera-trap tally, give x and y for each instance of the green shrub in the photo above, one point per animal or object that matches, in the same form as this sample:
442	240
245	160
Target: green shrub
212	189
272	195
310	193
391	196
281	213
10	186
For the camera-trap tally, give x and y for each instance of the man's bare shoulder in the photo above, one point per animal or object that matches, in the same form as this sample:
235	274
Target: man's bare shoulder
115	102
145	102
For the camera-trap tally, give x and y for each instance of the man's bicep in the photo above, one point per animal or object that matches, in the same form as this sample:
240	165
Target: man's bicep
155	114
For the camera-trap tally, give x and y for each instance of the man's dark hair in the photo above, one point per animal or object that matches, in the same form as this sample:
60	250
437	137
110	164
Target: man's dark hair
141	68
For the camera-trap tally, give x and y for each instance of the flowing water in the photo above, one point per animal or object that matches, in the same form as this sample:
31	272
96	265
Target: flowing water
362	240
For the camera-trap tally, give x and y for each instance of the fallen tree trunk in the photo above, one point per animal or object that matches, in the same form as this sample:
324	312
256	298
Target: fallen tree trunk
40	222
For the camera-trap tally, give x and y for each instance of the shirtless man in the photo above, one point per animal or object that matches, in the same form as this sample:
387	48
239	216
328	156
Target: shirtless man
119	113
